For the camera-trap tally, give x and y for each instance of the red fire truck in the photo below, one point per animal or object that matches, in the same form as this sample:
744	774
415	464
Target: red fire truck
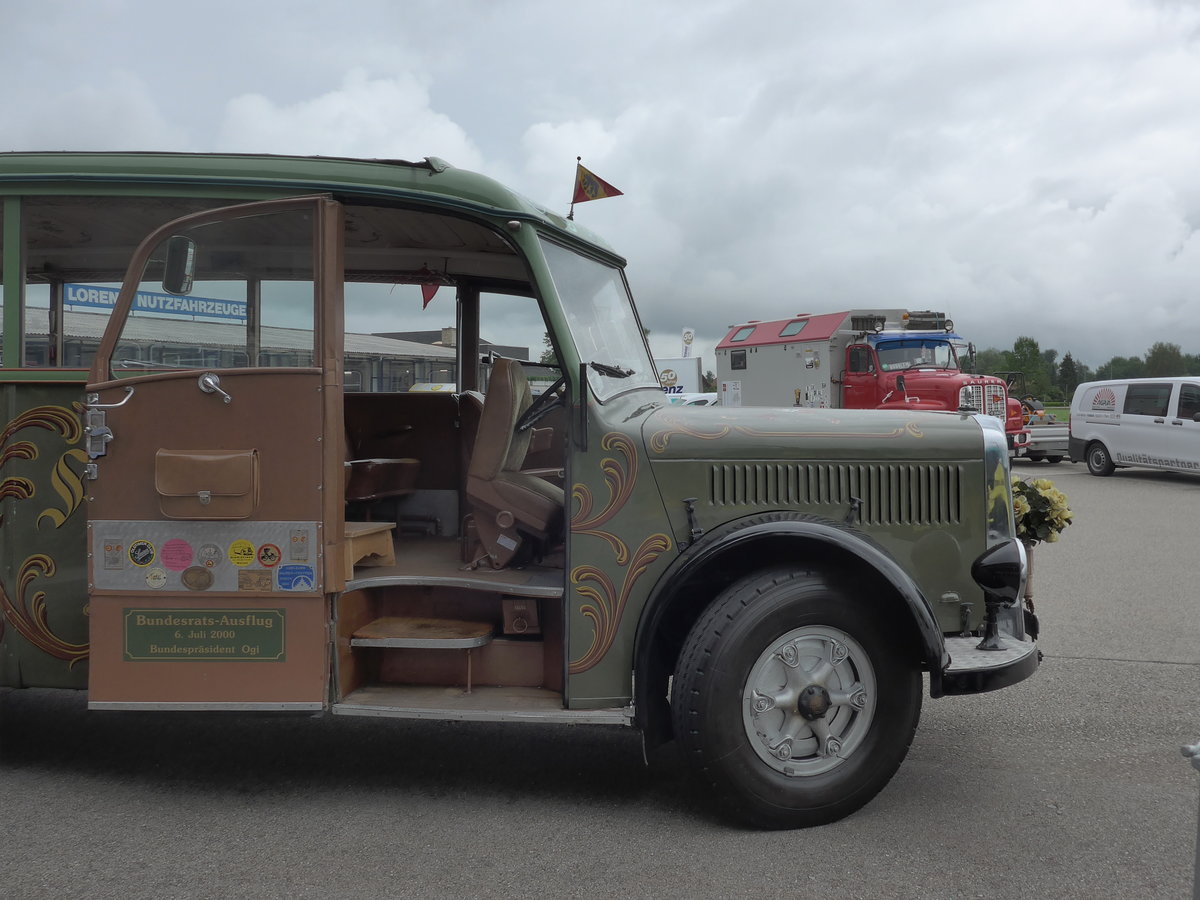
860	359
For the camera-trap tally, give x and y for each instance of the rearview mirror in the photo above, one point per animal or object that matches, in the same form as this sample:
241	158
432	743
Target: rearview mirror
180	266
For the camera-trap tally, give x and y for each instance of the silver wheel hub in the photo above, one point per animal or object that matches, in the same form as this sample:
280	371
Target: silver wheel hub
809	700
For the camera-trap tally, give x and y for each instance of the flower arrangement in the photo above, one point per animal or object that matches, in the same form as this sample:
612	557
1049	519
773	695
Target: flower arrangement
1040	510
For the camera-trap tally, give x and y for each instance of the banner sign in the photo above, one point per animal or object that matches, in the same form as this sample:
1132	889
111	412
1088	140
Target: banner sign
689	337
95	297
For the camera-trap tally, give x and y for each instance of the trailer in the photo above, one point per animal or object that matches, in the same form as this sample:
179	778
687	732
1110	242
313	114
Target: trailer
1048	438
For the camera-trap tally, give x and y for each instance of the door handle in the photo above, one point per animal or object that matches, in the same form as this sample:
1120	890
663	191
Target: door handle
210	383
93	400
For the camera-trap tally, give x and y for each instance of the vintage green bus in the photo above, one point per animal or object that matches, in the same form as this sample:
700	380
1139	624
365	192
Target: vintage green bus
220	490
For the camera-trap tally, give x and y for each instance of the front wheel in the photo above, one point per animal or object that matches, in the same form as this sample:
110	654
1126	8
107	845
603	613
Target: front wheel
794	700
1098	460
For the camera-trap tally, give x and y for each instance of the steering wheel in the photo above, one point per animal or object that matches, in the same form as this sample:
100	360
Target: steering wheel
550	399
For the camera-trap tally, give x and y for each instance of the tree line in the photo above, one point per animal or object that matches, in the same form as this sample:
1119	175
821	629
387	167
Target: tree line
1053	380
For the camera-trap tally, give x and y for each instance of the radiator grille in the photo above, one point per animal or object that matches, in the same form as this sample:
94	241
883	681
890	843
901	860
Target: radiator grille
988	399
891	494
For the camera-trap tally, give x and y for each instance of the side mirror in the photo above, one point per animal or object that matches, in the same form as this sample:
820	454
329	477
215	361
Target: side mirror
900	384
180	266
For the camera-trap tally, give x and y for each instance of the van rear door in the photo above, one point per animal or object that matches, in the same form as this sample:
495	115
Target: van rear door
1142	438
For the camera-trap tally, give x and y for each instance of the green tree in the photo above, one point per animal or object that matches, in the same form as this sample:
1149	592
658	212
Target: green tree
708	382
989	361
1164	359
548	355
1026	356
1068	374
1122	367
1050	367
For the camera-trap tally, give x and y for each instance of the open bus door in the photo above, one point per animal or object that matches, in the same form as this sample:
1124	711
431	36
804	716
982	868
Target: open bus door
215	492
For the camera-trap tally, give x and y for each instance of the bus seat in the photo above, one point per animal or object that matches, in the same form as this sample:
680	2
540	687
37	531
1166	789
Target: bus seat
511	508
377	478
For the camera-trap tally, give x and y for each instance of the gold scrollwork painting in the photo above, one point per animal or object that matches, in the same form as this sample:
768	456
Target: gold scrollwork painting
604	599
28	612
29	617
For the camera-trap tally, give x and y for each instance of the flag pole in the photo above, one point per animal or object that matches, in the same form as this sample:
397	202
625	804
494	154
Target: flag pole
578	163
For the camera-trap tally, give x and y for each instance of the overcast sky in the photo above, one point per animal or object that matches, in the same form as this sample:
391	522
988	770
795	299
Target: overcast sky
1031	167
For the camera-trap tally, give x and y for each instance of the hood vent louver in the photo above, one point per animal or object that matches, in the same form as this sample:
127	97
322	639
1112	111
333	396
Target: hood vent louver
891	494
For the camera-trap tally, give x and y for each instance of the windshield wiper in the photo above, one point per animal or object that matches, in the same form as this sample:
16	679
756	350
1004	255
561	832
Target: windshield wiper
611	371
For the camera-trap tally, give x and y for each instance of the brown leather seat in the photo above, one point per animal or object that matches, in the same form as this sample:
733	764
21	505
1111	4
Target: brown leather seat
376	478
511	508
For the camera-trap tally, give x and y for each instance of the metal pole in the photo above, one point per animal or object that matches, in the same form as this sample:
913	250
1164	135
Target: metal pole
1192	751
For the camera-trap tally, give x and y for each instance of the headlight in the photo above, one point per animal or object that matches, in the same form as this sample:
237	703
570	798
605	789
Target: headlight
998	481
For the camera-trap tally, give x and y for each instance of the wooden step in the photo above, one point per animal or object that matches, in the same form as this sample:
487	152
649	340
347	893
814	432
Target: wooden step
429	634
367	544
403	632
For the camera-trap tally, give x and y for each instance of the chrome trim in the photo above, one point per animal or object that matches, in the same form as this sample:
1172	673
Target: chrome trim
473	582
622	716
201	706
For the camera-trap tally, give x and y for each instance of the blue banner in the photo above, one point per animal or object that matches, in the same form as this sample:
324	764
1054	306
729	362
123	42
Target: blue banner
96	297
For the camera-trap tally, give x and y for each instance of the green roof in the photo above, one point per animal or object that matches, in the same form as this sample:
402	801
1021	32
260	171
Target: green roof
430	179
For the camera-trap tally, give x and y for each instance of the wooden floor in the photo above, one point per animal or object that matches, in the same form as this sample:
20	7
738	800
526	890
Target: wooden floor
435	561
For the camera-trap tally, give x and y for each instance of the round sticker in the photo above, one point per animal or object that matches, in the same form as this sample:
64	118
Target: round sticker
269	555
141	553
197	578
176	554
208	555
156	578
241	553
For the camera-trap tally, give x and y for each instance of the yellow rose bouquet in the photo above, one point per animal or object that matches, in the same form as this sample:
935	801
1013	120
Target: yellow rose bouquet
1040	510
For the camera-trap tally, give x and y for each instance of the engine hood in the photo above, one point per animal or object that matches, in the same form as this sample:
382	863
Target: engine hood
742	433
949	377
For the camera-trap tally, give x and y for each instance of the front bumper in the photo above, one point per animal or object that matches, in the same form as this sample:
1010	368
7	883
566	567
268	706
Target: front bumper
973	671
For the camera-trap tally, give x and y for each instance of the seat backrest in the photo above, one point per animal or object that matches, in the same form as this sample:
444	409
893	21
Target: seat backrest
510	508
498	447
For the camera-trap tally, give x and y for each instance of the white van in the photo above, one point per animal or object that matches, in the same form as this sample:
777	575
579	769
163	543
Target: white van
1151	422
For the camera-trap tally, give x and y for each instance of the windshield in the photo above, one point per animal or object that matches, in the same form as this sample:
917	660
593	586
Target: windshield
912	353
600	315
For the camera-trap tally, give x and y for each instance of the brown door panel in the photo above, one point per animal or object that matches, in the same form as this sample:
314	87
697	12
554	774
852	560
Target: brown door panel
278	414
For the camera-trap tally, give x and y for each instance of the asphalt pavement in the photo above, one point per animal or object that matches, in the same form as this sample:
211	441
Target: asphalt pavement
1068	785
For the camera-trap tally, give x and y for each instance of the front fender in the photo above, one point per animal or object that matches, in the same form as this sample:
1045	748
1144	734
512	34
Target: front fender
726	549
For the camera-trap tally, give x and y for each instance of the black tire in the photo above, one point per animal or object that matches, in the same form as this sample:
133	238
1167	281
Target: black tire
1098	460
739	645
